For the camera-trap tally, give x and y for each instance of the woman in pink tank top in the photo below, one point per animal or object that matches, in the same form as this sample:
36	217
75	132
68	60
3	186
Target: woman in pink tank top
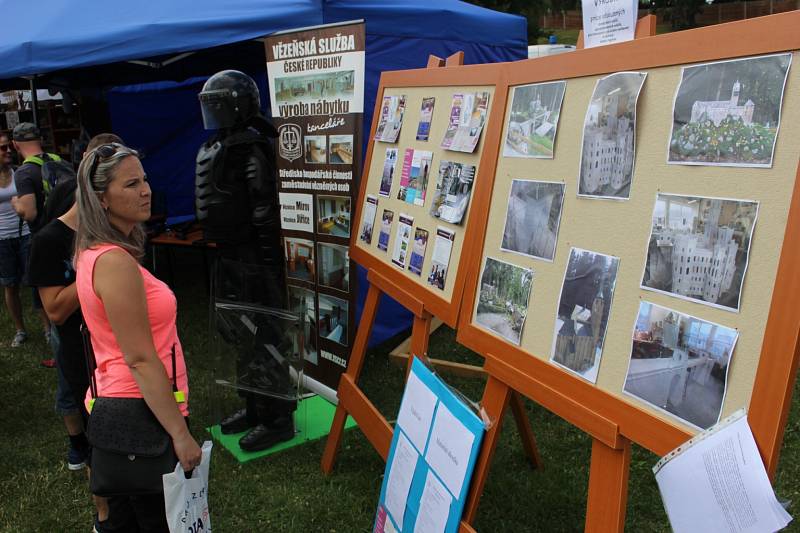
130	314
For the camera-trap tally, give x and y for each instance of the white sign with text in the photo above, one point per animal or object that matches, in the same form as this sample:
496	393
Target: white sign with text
608	21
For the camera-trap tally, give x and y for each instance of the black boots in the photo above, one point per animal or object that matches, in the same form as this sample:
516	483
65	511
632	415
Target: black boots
265	436
238	422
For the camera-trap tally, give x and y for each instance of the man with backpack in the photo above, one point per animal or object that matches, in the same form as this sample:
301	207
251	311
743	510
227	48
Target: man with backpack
37	177
37	180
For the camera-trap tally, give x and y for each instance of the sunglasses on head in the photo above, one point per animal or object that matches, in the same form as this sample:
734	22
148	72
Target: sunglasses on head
103	152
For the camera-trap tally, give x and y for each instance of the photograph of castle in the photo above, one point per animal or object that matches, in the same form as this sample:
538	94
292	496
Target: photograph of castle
533	121
728	113
699	247
505	290
583	310
679	364
609	137
532	218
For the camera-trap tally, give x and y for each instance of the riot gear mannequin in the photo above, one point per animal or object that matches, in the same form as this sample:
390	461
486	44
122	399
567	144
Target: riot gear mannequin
236	200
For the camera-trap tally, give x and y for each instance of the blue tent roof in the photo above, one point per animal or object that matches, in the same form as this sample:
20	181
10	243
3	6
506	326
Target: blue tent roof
90	43
63	35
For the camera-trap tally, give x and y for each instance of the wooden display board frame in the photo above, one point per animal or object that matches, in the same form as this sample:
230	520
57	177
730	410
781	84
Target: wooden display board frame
612	422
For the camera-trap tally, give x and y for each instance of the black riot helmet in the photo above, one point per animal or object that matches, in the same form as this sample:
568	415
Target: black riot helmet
229	98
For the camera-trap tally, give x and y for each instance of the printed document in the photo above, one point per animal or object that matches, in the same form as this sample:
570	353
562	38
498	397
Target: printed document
717	482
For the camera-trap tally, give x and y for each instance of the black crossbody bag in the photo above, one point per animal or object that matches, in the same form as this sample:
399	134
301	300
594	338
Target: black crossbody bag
130	448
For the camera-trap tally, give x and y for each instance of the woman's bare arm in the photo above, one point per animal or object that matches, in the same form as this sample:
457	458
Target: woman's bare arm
119	285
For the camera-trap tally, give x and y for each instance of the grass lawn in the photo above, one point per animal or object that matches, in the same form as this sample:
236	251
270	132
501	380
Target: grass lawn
287	491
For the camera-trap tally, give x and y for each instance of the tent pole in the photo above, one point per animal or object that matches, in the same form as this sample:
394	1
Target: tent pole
34	102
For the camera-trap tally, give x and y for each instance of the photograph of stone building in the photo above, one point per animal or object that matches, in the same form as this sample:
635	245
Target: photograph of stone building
505	290
679	364
699	247
533	121
727	113
609	137
583	310
532	218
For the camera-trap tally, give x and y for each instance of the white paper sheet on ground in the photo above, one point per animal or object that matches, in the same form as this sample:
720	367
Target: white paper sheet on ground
434	506
416	411
448	451
717	482
400	475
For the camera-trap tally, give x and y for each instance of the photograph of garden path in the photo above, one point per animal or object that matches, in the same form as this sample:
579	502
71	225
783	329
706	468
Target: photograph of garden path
503	300
728	113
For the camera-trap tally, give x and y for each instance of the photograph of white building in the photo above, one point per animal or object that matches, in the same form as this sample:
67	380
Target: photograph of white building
609	137
532	218
679	364
727	113
699	247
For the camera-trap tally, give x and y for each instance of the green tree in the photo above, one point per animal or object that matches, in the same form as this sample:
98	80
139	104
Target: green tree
530	9
681	13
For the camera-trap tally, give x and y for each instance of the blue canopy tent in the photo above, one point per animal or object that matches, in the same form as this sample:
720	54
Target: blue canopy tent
180	43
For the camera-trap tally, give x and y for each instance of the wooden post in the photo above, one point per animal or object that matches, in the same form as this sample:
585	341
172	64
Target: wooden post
354	366
495	400
608	487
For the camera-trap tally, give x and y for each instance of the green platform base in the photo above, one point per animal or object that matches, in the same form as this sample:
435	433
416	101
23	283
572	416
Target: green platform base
312	421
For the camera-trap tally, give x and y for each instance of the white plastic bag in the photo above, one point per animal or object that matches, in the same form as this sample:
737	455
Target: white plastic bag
186	500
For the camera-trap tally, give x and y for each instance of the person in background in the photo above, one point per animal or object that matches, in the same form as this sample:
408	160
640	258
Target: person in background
29	204
14	243
53	273
131	315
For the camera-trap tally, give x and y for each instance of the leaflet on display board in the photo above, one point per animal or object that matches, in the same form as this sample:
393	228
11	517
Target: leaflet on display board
433	452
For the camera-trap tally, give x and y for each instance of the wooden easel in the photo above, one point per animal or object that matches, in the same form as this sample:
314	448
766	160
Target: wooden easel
352	401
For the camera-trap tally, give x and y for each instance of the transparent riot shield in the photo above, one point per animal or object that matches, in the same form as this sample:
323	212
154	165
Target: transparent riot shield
258	354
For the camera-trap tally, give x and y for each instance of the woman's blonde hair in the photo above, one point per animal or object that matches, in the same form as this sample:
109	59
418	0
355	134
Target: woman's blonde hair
95	173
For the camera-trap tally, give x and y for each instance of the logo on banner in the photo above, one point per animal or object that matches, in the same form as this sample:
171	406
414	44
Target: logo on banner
289	145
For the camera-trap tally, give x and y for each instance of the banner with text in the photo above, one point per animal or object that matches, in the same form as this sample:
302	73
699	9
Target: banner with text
316	83
609	21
